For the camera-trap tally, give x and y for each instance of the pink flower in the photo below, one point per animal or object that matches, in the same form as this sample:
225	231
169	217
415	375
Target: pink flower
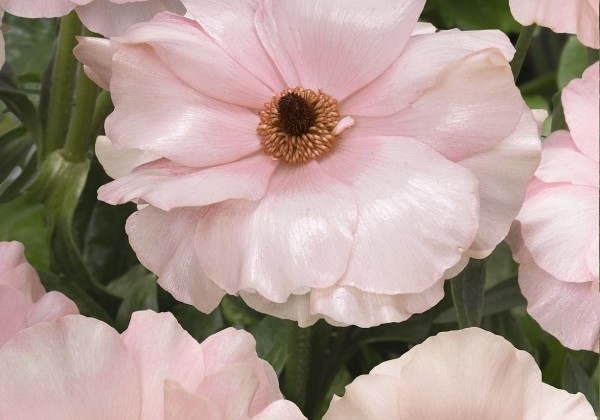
107	17
466	374
578	17
556	237
23	300
315	158
80	368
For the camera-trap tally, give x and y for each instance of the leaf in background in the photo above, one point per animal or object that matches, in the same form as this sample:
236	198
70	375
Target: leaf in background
18	102
506	325
197	324
573	61
471	14
237	313
558	114
137	288
575	379
17	162
467	293
24	220
271	341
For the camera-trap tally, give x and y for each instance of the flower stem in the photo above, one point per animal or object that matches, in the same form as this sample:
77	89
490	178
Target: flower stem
467	293
61	89
521	46
297	367
78	138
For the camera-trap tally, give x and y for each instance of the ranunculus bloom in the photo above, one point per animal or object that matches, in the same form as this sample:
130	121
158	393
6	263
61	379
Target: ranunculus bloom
80	368
556	237
107	17
458	375
578	17
23	299
314	157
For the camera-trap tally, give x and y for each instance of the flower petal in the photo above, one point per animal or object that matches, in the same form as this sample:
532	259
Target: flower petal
187	50
111	18
183	404
118	163
558	225
96	55
472	107
503	174
51	306
230	23
70	369
562	161
161	349
164	243
558	404
337	46
167	185
176	122
299	235
13	313
281	409
580	102
12	254
416	209
40	9
418	68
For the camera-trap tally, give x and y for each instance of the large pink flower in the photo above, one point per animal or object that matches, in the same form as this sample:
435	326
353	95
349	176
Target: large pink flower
556	237
107	17
23	300
571	16
80	368
457	375
321	159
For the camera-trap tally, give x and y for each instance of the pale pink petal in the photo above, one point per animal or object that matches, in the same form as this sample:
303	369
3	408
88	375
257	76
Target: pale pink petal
182	404
369	397
472	107
558	404
167	185
299	235
13	313
161	349
230	23
171	118
198	61
418	68
113	17
40	9
562	161
558	225
51	306
574	17
281	409
337	46
503	174
422	28
71	369
416	208
12	254
164	243
120	162
96	55
592	257
580	102
23	278
564	309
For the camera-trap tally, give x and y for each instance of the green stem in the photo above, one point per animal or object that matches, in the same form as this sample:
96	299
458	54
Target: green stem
78	139
104	106
467	293
61	90
521	46
547	82
297	367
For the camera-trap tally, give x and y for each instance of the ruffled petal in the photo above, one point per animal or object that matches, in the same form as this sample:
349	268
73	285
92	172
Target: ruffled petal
13	313
40	9
418	68
164	243
337	46
51	306
558	225
12	254
230	23
503	174
167	185
118	163
112	18
562	161
298	236
96	55
70	369
183	404
472	107
558	404
281	409
417	212
176	121
580	102
161	349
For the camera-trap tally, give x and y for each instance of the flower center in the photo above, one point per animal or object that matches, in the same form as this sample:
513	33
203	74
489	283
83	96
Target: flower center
298	125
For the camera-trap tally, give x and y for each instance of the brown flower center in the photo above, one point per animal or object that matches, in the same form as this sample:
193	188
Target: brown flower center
298	124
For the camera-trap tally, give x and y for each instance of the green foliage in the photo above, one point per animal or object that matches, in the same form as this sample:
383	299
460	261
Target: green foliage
471	15
573	61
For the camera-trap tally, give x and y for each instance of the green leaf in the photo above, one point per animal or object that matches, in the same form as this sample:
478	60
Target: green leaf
198	325
137	288
271	341
558	114
237	313
18	103
575	379
471	14
467	293
573	62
